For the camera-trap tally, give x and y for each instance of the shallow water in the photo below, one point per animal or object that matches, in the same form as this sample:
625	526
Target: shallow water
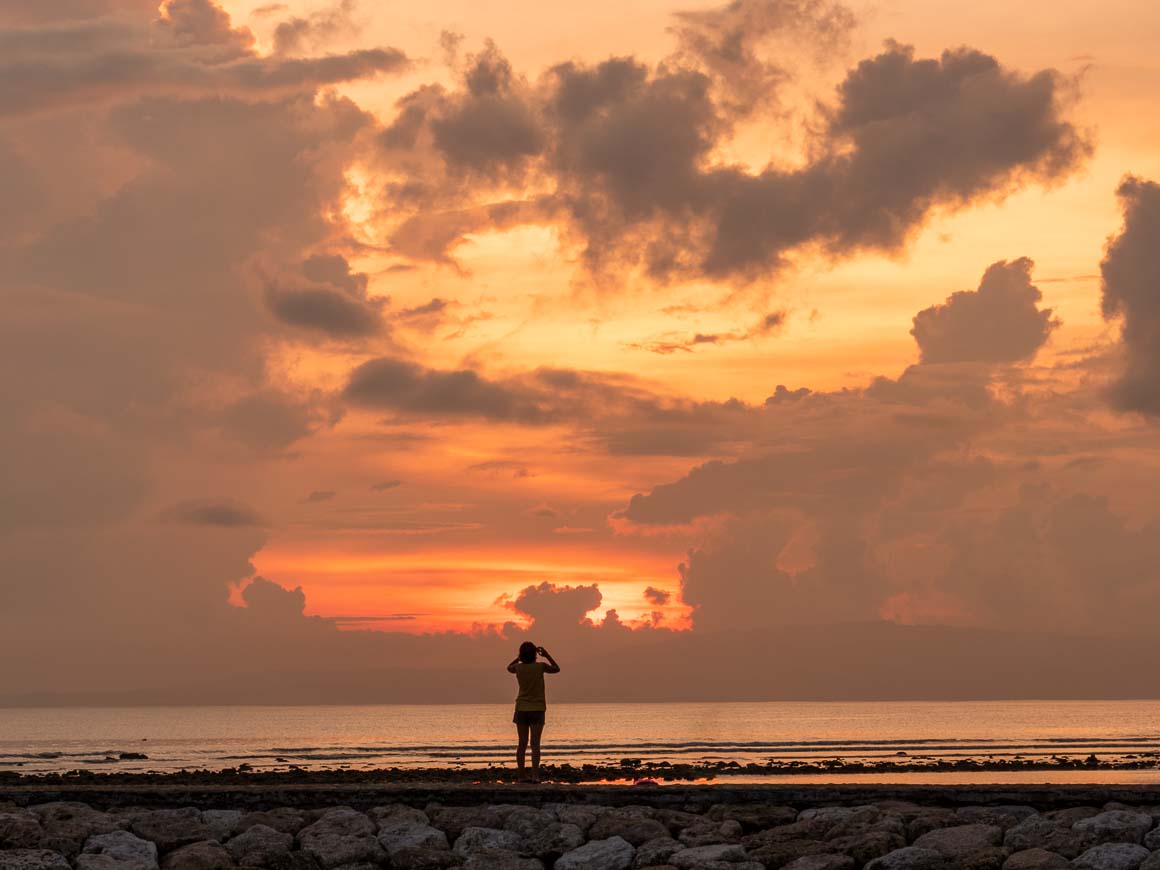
408	736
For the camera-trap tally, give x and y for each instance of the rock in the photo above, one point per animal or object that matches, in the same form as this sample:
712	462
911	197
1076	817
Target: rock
527	820
1036	859
259	845
931	819
1152	862
1111	856
701	856
128	850
865	847
206	855
675	820
1115	826
753	818
1071	815
821	862
656	851
613	853
991	858
909	858
75	821
424	858
570	814
170	829
284	819
474	839
961	839
222	824
552	841
1004	816
341	836
454	820
500	859
407	834
634	830
1040	832
706	833
19	829
32	859
390	814
778	854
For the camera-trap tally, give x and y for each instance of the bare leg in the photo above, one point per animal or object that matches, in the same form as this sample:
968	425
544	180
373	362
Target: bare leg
521	749
537	731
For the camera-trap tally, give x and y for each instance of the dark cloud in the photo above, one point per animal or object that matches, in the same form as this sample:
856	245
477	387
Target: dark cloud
211	512
1131	291
327	298
319	495
268	600
271	419
507	467
658	597
768	324
386	485
998	322
557	609
627	150
296	33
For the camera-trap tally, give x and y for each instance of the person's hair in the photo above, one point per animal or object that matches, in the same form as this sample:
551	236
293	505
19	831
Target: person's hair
527	652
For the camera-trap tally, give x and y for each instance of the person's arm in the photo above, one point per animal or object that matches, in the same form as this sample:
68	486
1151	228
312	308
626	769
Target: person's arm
551	667
511	668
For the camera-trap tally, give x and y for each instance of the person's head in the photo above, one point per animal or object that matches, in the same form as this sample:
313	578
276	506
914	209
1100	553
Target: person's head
527	652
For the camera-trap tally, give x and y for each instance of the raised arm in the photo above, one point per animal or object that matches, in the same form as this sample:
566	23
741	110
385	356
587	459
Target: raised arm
511	668
551	667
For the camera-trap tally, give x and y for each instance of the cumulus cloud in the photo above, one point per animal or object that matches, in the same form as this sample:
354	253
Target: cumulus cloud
998	322
658	597
1130	274
557	609
325	297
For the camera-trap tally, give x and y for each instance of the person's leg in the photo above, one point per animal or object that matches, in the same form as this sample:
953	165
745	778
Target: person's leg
537	731
522	748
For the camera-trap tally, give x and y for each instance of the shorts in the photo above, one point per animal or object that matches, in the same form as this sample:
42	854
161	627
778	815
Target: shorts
528	717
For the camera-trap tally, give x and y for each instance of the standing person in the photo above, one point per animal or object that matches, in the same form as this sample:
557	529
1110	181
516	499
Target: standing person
530	702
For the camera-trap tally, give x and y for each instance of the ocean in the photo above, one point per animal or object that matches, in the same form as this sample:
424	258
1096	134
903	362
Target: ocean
477	735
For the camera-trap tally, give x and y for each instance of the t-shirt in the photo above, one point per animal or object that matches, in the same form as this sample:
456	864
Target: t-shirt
530	676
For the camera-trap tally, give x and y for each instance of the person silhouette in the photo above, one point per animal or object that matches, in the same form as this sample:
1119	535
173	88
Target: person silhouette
531	702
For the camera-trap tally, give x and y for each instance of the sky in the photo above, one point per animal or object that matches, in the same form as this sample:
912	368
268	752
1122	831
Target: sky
345	345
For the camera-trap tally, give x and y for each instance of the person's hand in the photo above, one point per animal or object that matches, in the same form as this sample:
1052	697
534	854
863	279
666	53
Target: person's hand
540	650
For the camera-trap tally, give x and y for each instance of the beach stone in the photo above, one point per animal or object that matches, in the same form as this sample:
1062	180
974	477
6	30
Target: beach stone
865	847
129	851
74	821
1152	862
1115	826
527	820
32	859
961	840
407	834
170	829
259	845
501	859
473	839
909	858
1111	856
424	858
341	836
931	819
1152	839
821	862
206	855
613	853
991	858
390	814
1040	832
1004	817
779	854
675	820
701	856
1071	815
1036	859
222	824
707	833
454	820
553	840
655	852
753	818
284	819
19	830
635	830
569	814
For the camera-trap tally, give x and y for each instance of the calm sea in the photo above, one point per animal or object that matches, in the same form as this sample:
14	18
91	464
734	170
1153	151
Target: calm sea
361	737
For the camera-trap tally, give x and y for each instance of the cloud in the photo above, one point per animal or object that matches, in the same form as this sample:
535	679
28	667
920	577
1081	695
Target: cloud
386	485
659	597
296	33
557	609
999	322
502	466
1130	284
211	512
270	601
324	296
768	324
319	495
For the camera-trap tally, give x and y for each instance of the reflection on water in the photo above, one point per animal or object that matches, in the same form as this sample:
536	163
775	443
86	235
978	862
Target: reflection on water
407	736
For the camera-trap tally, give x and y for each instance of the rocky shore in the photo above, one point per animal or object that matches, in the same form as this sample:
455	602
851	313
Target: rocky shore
584	828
